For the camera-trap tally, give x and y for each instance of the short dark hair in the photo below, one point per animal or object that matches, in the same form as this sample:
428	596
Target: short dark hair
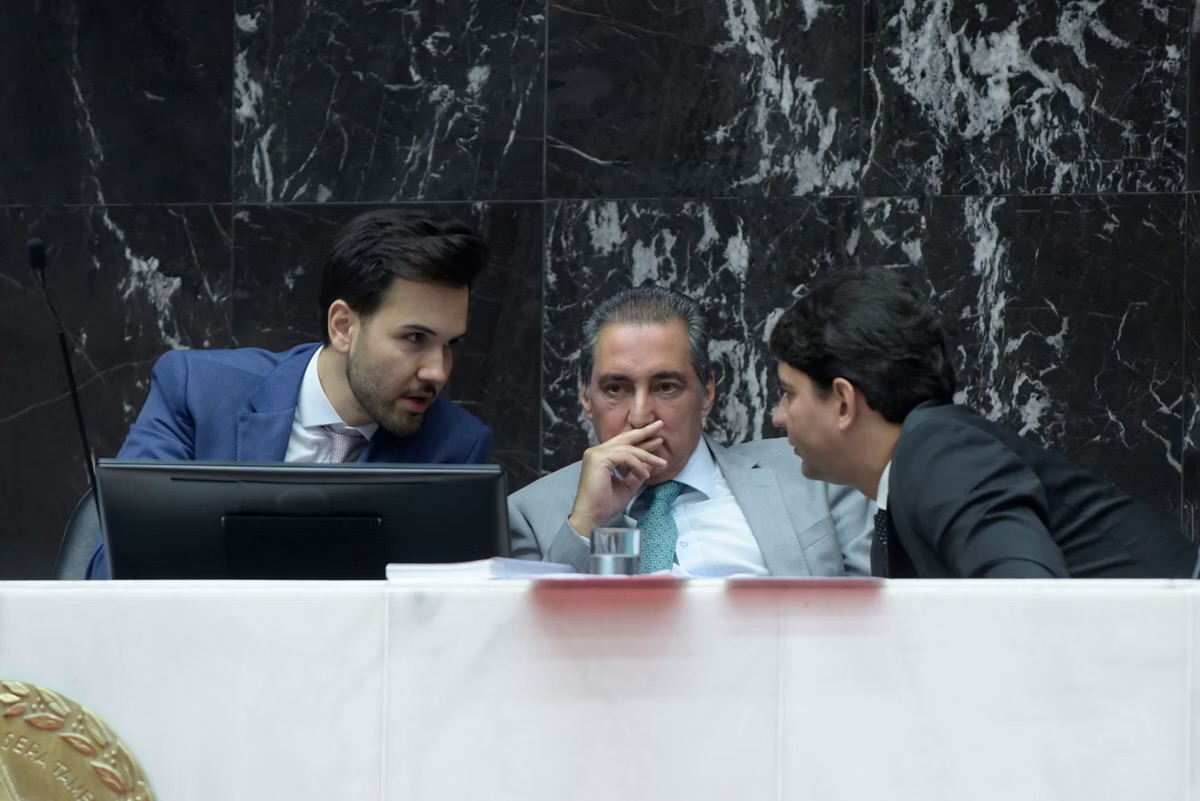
377	247
871	327
646	305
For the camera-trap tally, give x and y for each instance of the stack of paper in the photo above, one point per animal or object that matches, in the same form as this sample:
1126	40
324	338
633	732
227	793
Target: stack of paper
497	567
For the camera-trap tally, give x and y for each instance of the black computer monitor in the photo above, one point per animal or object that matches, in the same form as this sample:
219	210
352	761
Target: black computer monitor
213	520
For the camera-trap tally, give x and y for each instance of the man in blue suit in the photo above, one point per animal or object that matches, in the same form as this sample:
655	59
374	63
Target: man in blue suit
394	301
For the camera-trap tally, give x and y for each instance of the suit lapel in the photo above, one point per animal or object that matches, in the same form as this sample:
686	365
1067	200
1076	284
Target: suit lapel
761	500
263	431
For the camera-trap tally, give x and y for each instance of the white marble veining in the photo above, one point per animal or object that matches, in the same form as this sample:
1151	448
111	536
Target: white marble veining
399	103
1039	81
785	108
1044	330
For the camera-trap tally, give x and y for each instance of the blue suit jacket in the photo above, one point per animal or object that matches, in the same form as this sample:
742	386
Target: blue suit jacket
238	406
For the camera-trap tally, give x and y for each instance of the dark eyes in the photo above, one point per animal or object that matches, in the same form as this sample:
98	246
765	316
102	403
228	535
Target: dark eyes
667	388
421	338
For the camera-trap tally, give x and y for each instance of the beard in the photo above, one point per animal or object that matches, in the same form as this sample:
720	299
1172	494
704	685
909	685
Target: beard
374	400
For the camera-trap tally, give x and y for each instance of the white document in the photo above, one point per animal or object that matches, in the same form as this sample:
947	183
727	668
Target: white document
498	567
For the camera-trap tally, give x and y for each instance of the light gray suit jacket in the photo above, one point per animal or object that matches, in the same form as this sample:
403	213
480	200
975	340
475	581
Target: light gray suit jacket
803	527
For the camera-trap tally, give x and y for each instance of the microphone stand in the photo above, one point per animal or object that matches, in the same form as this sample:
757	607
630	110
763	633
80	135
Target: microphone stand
37	262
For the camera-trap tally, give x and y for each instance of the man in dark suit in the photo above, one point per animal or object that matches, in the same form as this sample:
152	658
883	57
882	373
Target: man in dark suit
394	301
868	401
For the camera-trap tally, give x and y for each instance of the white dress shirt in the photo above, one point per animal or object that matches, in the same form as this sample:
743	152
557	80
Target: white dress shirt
881	494
310	441
714	537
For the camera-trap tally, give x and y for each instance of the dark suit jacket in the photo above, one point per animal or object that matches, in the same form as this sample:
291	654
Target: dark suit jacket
238	406
970	498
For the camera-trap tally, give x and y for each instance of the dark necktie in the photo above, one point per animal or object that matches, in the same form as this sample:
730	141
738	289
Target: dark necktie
884	531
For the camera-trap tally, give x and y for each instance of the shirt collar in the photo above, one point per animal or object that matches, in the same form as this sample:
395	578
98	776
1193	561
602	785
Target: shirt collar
881	494
313	408
699	473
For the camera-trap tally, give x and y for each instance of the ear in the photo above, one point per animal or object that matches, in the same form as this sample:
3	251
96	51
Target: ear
343	324
844	394
710	396
584	400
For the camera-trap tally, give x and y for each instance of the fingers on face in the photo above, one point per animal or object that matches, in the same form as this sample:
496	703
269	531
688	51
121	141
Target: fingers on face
636	436
628	460
634	457
634	482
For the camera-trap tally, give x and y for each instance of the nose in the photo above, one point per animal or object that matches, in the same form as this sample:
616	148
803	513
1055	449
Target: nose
778	418
435	367
641	410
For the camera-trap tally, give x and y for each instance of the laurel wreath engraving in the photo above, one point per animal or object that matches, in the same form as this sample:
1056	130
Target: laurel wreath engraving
47	711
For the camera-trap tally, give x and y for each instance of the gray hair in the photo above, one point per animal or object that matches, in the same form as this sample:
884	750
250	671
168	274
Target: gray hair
646	305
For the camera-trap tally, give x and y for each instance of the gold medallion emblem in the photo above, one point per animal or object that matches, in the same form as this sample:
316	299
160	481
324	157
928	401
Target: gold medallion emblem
51	748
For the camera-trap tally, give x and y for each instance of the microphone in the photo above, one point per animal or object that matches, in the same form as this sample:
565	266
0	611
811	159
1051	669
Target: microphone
37	262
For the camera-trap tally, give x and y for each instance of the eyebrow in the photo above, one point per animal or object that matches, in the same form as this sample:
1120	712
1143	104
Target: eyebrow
408	328
673	374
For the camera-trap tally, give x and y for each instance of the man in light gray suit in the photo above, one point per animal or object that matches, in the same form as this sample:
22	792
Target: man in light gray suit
705	510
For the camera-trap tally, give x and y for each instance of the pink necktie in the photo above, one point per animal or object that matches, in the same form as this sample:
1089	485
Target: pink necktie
343	445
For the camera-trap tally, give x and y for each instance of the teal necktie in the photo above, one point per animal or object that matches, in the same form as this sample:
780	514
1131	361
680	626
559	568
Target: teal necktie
658	527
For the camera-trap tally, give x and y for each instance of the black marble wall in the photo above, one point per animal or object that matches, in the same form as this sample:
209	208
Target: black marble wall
1035	163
